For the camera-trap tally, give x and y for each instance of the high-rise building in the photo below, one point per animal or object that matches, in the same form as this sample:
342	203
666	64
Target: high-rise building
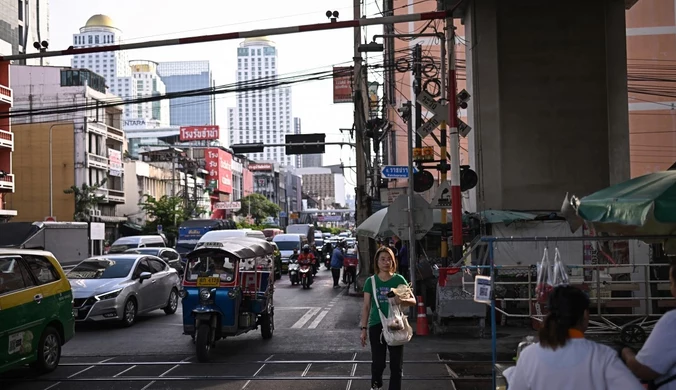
22	23
180	76
312	160
296	130
261	115
125	79
148	83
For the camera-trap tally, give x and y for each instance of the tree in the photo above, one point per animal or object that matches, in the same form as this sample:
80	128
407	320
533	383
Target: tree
85	199
258	206
167	211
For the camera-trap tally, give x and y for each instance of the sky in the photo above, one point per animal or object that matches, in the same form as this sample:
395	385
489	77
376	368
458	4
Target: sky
303	52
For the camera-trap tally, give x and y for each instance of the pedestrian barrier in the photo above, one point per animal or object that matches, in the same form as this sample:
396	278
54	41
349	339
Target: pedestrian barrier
422	327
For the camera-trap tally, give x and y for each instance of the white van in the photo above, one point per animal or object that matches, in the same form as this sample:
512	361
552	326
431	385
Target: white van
287	243
217	235
130	242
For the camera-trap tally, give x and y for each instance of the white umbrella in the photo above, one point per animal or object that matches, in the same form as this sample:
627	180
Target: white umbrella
375	225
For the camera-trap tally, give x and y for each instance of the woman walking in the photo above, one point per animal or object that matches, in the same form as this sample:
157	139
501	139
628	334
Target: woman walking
564	359
385	278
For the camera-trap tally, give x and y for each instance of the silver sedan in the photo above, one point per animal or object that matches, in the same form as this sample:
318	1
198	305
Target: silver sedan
122	286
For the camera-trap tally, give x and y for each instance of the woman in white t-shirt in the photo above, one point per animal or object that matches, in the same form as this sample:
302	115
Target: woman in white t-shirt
656	361
563	359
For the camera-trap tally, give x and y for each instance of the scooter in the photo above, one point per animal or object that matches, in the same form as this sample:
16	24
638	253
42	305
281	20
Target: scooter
293	272
327	261
305	272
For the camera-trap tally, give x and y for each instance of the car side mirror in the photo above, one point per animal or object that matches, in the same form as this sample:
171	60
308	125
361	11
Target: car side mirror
144	276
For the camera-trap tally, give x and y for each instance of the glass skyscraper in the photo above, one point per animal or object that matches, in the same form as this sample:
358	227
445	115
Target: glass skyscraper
183	76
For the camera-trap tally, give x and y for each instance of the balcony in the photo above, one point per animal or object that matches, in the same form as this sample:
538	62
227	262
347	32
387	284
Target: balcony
115	196
115	134
97	128
5	95
7	183
98	162
6	139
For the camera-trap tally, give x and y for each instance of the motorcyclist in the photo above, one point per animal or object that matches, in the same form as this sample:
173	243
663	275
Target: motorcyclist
307	257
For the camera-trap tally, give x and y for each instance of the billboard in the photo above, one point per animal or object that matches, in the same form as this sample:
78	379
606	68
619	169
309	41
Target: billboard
198	133
115	162
260	167
219	165
342	84
247	182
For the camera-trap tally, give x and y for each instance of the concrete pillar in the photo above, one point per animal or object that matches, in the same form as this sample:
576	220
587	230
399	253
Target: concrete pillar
549	100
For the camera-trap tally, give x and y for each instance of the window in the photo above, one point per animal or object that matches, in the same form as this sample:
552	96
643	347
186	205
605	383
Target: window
90	39
142	267
13	275
41	269
156	265
74	40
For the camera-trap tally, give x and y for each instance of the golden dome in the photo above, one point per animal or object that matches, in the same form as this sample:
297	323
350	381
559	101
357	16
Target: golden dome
257	39
100	21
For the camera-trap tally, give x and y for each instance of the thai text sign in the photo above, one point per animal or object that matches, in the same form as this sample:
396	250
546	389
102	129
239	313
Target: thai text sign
342	84
115	163
219	165
199	133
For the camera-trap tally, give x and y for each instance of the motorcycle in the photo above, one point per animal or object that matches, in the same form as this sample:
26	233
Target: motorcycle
327	261
293	272
305	272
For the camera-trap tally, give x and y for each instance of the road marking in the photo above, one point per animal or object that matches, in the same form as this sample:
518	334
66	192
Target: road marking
451	373
307	369
256	373
78	373
128	369
317	320
292	308
166	372
304	319
354	370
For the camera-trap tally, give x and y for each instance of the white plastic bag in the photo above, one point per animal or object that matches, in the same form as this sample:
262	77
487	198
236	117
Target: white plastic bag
396	329
560	274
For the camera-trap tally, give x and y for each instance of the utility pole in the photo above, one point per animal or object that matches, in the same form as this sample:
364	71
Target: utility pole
360	101
442	151
413	259
417	88
456	194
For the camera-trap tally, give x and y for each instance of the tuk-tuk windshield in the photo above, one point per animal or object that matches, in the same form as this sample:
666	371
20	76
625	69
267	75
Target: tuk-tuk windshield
212	265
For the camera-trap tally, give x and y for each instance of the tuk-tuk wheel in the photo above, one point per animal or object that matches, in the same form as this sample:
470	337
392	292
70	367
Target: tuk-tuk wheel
203	343
267	321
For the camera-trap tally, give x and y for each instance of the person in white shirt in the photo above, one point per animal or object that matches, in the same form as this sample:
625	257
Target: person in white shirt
563	359
656	361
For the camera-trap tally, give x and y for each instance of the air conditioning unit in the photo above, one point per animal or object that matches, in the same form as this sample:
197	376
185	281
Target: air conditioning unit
95	213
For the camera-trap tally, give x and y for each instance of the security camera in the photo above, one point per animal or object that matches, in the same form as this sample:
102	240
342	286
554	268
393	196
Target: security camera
328	14
36	45
45	44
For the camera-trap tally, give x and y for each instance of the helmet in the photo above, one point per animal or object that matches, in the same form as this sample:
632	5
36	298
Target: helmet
306	248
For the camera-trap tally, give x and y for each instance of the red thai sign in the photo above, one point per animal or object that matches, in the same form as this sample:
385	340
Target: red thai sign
199	133
219	165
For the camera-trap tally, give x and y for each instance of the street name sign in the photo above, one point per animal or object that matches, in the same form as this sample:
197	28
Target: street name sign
440	113
396	171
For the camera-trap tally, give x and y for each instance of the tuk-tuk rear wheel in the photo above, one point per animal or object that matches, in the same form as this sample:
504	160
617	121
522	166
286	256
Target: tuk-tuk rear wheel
203	343
267	324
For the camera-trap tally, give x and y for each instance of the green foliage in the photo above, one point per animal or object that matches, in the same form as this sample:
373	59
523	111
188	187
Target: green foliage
333	231
85	200
259	207
167	211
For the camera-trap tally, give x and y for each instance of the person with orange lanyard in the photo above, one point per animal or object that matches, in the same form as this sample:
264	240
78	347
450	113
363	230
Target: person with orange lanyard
564	359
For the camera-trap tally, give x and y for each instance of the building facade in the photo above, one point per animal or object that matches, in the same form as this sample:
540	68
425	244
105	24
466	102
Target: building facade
323	186
148	83
651	54
180	76
6	143
22	23
261	116
85	146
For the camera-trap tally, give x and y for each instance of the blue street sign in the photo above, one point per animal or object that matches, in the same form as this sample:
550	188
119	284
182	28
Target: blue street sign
396	171
159	229
282	214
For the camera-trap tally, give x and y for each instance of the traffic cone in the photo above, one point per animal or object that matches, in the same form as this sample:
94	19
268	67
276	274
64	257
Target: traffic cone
422	328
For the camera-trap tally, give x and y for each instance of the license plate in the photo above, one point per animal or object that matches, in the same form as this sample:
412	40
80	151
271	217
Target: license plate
208	281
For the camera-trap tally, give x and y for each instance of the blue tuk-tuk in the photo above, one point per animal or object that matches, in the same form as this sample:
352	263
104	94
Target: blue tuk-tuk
227	290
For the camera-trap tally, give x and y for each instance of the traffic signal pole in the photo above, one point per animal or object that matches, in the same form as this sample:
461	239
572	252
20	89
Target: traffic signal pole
442	151
456	194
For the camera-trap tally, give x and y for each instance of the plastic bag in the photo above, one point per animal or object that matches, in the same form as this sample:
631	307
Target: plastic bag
560	273
396	329
545	280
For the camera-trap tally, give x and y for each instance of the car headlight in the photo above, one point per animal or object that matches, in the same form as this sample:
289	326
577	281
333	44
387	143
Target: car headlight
108	295
204	294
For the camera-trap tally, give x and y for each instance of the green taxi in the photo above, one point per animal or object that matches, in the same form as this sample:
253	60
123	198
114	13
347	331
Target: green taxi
36	310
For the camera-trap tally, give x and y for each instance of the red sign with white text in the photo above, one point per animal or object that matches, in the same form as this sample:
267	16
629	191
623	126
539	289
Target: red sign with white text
247	182
199	133
219	165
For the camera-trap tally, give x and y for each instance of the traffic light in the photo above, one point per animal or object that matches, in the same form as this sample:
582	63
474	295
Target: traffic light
258	147
422	181
468	178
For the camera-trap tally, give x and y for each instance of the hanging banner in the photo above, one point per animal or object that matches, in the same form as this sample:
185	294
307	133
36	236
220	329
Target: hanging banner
342	84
